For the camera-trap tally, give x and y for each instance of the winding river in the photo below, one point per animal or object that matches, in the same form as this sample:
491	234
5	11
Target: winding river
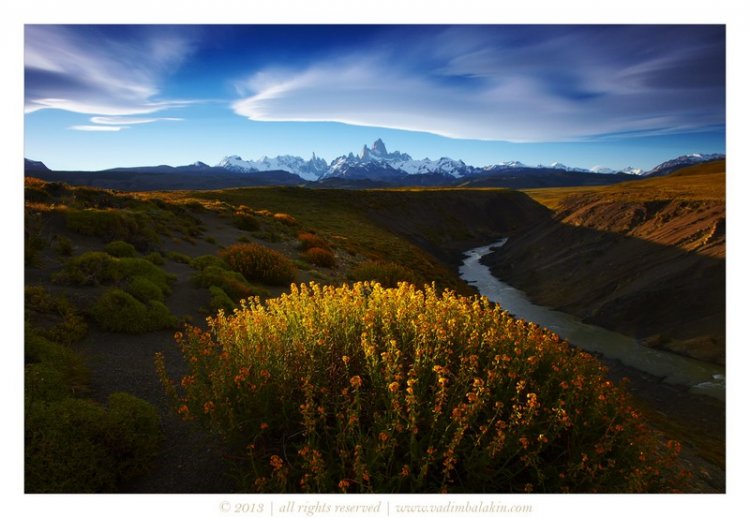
702	377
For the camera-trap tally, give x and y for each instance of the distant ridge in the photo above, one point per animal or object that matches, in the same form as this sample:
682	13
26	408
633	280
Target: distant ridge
667	167
372	167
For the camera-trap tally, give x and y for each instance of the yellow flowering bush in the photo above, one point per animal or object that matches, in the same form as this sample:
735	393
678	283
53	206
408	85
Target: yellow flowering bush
369	389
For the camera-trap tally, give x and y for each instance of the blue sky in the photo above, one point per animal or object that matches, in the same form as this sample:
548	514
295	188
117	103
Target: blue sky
633	95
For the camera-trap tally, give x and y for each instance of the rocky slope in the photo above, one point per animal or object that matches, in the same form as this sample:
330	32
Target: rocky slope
644	258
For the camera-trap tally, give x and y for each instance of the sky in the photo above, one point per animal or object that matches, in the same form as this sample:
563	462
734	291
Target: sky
102	96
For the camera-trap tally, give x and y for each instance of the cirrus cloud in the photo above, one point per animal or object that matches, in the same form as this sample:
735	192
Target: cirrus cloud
85	127
521	84
112	72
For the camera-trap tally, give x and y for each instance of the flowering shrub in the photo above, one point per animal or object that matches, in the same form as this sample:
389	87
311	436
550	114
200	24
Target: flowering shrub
362	388
259	263
319	257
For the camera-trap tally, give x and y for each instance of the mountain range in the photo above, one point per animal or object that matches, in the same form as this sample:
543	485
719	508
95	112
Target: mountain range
376	163
373	166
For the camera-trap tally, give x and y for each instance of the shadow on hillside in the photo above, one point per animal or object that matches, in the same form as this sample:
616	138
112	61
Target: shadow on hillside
672	297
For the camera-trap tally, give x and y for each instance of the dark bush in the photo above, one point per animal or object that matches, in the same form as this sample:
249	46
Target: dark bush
259	263
78	446
144	289
120	312
204	261
132	226
309	240
385	272
133	433
44	357
54	316
320	257
120	249
220	300
66	448
155	258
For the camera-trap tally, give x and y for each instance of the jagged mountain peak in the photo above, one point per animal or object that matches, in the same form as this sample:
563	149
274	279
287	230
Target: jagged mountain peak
377	163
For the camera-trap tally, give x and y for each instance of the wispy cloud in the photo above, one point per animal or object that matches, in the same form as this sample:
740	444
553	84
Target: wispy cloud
101	72
131	120
97	128
504	83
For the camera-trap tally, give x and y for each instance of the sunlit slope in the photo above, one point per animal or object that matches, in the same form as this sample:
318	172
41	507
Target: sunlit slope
423	229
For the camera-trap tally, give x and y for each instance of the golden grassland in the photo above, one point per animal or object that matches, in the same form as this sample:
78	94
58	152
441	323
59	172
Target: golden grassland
699	182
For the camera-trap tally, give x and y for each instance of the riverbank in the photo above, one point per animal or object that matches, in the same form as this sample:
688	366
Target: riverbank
675	403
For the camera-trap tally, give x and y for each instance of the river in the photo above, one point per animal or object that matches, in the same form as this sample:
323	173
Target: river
702	377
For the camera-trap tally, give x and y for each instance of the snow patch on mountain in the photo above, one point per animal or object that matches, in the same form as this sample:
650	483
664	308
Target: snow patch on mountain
310	170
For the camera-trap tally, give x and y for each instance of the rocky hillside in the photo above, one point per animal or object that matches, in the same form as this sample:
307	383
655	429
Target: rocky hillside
645	258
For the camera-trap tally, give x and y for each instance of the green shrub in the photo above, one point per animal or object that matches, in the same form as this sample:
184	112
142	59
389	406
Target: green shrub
44	356
136	267
36	195
120	249
134	433
203	261
232	283
179	257
132	226
90	268
34	239
155	258
101	268
319	257
65	448
244	220
220	300
45	382
144	290
259	263
78	446
54	316
385	272
120	312
159	316
63	246
367	389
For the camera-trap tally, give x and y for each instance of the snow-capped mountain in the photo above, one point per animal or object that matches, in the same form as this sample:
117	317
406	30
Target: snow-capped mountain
633	170
310	170
378	157
600	169
375	162
563	167
681	161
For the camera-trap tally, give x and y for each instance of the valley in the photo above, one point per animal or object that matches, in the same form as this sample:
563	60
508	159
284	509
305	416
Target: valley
607	254
602	253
